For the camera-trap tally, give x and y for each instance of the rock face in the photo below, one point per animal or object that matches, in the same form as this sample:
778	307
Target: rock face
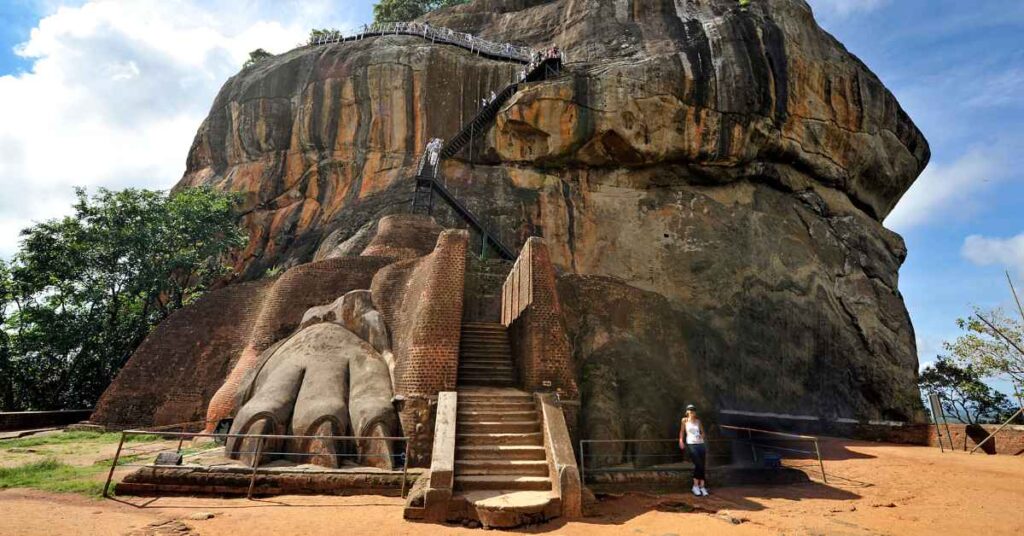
711	183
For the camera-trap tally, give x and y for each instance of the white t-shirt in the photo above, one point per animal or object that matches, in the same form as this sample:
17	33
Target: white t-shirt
693	435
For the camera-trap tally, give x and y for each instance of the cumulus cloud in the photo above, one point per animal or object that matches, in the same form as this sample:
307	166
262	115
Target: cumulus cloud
947	190
117	90
986	251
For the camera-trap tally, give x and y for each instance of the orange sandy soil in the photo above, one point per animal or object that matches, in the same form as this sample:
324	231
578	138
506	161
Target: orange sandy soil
872	489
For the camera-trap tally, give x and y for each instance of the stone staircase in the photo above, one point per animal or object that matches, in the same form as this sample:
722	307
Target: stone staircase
501	466
485	356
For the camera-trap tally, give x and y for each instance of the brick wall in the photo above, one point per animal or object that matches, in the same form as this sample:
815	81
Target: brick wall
1009	441
34	420
404	236
533	314
176	370
300	288
421	300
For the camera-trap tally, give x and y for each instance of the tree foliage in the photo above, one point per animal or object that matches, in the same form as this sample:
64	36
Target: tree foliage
984	349
964	395
83	291
407	10
256	56
318	34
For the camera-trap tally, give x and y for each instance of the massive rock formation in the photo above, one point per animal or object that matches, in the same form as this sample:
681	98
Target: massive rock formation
711	182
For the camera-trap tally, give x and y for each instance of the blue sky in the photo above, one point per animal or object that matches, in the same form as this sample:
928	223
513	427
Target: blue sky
110	93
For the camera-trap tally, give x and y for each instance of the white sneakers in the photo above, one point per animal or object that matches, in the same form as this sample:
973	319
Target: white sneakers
704	491
696	490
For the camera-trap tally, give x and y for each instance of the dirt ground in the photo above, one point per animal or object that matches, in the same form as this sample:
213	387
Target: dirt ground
872	489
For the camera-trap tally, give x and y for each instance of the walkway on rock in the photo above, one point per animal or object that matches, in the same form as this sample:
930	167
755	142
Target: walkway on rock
427	177
476	45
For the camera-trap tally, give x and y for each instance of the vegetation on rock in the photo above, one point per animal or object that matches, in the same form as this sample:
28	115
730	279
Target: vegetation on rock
84	290
407	10
256	56
317	34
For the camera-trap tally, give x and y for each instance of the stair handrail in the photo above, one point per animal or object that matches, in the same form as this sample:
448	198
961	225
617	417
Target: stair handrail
435	34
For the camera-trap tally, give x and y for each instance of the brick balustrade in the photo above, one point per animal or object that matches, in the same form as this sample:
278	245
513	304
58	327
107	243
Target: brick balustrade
533	315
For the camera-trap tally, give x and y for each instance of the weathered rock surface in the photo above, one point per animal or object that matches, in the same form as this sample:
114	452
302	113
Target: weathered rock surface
710	181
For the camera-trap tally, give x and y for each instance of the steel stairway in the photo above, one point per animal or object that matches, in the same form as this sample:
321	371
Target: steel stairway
427	179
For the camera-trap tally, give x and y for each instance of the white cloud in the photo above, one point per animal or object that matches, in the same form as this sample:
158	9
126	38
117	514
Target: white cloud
117	90
827	8
986	251
945	191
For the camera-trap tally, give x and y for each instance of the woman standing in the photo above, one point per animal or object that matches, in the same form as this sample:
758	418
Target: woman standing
691	439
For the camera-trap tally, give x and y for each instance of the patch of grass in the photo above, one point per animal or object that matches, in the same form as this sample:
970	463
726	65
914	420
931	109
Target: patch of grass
52	475
75	437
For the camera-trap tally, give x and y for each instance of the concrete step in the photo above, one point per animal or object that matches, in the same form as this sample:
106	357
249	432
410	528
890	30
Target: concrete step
485	373
497	366
483	325
533	438
475	398
485	361
503	482
497	408
488	342
497	427
500	452
491	416
486	382
501	467
487	379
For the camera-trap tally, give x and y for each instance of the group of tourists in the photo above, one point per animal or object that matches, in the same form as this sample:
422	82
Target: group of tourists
434	147
539	57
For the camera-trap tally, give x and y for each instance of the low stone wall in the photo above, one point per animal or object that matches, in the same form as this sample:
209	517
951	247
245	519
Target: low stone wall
221	481
14	421
1009	441
533	315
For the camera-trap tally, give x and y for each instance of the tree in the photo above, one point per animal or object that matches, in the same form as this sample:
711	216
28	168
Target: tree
963	394
983	348
84	291
256	56
318	34
407	10
6	372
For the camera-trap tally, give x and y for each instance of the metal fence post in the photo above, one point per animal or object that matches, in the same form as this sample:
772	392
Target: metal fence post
820	463
113	465
255	465
405	468
583	463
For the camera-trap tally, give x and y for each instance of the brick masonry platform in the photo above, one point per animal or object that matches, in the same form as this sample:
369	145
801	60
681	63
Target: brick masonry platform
233	481
13	421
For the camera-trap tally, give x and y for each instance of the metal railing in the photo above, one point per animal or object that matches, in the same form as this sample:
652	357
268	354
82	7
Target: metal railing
258	453
666	456
435	35
789	438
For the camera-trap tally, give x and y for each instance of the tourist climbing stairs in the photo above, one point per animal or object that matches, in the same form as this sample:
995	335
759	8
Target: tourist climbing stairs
483	119
499	443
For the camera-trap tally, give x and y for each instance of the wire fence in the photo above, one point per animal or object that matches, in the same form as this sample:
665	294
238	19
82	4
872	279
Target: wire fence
255	447
766	448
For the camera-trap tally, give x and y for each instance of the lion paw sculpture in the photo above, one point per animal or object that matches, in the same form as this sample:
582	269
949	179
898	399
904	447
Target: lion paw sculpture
333	377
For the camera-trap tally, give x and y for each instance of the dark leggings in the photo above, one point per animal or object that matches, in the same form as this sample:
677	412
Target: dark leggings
698	456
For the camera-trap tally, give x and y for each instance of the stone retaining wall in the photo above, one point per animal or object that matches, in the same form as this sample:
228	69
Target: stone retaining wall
13	421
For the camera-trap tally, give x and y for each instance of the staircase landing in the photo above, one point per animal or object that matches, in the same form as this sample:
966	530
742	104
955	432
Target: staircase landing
501	468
